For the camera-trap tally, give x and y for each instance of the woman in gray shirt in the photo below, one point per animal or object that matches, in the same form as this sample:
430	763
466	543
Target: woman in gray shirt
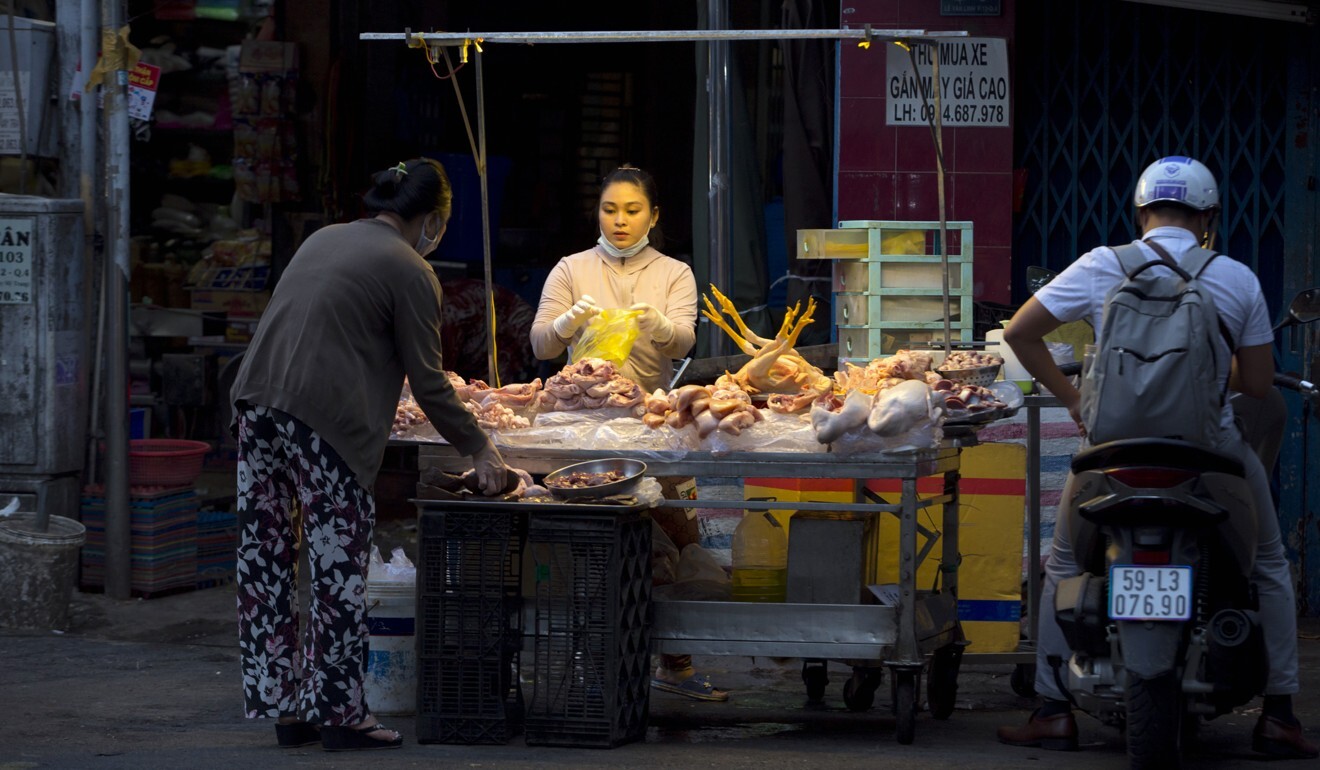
357	309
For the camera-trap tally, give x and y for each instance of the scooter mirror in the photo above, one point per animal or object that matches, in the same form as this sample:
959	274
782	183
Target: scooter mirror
1037	277
1305	307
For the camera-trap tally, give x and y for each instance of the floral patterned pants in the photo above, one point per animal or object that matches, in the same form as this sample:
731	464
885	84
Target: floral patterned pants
282	461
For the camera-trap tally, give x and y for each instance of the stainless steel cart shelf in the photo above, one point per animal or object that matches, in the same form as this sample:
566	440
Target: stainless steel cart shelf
898	637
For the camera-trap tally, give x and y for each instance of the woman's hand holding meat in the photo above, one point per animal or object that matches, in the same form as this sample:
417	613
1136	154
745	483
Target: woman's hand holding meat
491	470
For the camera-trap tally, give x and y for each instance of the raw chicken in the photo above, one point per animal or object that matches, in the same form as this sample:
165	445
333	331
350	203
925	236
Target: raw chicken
775	366
591	383
900	408
830	425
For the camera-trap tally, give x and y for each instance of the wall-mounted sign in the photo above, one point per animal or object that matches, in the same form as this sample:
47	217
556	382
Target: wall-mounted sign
16	261
969	7
973	83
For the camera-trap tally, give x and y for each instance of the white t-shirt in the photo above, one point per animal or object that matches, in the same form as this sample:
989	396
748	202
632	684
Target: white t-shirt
1079	292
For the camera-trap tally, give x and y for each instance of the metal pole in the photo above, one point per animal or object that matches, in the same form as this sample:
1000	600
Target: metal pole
661	36
720	208
1033	523
118	545
491	367
87	191
939	186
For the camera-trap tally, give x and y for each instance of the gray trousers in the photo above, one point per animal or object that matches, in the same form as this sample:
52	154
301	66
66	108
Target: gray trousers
1272	577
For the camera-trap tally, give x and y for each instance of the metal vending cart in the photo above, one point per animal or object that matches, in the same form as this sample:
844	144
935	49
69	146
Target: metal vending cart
44	299
917	632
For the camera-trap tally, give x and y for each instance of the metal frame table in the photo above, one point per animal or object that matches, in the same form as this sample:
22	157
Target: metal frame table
897	637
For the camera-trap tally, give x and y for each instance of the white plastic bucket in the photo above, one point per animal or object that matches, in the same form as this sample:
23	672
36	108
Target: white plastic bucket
391	685
1013	369
37	571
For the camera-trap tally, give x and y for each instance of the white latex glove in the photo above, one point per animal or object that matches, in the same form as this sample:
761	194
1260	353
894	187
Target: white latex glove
575	317
490	468
653	323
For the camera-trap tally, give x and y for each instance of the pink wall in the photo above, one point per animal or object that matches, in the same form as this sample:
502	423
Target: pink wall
889	172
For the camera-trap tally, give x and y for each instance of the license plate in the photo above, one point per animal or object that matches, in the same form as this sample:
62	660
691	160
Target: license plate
1150	593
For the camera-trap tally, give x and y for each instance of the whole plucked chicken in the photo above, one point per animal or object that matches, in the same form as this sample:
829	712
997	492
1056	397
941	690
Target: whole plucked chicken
776	367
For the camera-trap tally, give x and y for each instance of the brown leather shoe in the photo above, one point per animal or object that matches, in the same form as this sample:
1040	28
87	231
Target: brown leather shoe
1280	739
1056	733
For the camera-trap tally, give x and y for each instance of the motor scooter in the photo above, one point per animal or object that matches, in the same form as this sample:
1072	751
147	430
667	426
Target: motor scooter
1162	623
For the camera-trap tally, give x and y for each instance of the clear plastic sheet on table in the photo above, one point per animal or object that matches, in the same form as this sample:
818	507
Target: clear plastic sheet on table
925	435
621	430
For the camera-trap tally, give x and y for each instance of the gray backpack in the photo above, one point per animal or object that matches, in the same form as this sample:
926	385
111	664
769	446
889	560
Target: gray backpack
1155	372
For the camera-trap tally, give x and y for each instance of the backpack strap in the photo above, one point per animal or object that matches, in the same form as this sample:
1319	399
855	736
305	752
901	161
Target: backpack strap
1133	261
1195	263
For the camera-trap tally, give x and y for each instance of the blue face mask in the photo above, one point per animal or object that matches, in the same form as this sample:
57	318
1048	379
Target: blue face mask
426	245
618	253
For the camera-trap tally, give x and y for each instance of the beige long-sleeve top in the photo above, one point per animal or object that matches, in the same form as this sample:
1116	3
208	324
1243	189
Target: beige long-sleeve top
355	310
649	276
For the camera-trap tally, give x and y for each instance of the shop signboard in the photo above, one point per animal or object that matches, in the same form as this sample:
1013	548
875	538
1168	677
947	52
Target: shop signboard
974	83
970	7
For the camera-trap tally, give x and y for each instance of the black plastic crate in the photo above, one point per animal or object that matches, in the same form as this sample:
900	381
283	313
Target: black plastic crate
474	552
593	616
469	624
473	700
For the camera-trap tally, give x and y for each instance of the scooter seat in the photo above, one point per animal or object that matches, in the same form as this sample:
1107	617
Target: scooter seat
1164	453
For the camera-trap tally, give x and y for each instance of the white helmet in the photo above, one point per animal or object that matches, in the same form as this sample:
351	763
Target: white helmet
1177	179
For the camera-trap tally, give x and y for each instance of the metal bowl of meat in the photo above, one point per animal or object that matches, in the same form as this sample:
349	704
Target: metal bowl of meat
595	478
976	375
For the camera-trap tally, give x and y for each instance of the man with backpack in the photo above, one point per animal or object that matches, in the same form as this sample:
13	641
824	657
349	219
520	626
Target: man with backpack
1222	326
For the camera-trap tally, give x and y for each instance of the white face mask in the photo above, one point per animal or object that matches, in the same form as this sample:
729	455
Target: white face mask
427	245
618	253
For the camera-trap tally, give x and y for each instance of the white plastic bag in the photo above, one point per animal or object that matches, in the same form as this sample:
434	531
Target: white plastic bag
399	569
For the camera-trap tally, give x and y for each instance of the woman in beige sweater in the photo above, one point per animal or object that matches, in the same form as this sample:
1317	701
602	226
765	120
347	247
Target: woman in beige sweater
623	270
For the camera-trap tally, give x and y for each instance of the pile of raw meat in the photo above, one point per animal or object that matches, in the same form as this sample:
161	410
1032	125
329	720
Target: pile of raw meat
591	383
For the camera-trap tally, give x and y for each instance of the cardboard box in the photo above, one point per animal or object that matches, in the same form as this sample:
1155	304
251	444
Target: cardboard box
235	278
235	303
680	524
268	56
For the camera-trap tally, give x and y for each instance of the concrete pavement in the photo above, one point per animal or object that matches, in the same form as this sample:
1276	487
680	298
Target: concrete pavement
154	684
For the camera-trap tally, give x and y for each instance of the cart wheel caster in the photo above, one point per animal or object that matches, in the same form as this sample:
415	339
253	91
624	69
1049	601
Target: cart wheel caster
859	690
942	686
905	706
1023	680
815	677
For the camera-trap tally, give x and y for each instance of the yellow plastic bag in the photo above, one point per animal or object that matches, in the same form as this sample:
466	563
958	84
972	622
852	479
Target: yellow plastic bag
609	335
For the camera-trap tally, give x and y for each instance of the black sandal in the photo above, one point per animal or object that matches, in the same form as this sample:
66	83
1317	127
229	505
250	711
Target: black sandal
342	738
295	735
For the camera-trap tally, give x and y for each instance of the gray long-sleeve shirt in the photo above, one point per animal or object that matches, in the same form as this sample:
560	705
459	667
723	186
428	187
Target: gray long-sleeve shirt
356	309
